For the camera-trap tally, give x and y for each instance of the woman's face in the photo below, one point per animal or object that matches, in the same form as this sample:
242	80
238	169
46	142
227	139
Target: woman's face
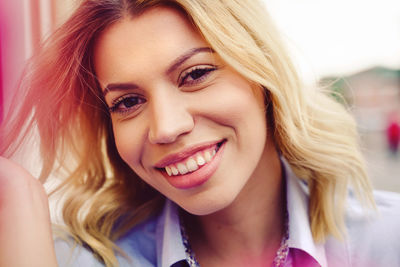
183	120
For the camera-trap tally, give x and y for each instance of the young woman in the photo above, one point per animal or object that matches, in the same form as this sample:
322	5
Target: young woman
187	139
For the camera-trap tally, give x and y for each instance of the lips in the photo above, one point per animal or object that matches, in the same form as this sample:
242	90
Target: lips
192	166
192	163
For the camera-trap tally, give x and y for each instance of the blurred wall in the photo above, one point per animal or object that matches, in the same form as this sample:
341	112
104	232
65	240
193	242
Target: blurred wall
12	50
23	25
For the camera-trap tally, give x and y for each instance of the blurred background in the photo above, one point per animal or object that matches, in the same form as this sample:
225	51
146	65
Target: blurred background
351	47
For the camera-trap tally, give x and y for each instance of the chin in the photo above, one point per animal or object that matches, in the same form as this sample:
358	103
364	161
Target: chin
202	207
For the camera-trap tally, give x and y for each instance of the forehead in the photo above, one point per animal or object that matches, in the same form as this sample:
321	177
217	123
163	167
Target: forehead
157	35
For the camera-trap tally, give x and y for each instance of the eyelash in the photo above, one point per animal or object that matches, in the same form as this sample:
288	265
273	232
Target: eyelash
115	106
203	71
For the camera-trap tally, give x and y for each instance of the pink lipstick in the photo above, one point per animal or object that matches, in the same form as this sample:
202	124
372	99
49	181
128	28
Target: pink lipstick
193	166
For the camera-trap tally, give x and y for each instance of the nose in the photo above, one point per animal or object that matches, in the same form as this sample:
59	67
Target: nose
170	119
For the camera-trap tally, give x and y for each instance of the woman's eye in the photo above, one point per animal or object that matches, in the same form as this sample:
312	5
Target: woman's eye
126	103
195	74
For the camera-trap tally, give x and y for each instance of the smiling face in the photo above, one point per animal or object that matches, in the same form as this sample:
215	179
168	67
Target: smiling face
184	121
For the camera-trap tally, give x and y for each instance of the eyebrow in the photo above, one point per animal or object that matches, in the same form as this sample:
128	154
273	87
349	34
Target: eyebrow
119	86
180	60
175	64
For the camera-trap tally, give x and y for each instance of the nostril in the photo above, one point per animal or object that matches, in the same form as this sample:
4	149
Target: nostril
162	138
165	132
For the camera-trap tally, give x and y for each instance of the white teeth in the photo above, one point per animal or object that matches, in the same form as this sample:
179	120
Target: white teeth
182	168
168	170
174	170
191	165
200	160
207	156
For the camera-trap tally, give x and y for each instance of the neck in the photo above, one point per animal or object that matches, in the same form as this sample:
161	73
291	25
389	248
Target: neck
249	231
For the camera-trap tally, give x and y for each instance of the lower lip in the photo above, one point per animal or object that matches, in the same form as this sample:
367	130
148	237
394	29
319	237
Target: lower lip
199	176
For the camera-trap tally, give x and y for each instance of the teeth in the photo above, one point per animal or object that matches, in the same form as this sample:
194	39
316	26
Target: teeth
182	168
168	170
174	170
191	164
200	160
207	156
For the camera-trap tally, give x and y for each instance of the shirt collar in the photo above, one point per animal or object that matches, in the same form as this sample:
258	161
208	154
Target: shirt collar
170	248
300	236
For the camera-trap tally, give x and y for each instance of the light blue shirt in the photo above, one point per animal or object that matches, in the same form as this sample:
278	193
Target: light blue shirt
373	238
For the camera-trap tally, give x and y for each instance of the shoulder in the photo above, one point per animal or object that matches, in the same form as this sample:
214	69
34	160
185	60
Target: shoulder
138	245
140	242
381	223
386	216
373	236
69	253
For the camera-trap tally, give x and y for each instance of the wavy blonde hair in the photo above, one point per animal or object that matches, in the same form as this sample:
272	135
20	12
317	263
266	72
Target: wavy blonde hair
104	197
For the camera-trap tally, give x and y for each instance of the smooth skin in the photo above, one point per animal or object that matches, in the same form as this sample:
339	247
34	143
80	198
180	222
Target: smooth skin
25	227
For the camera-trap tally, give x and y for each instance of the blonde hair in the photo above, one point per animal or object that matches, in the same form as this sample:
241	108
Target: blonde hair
105	197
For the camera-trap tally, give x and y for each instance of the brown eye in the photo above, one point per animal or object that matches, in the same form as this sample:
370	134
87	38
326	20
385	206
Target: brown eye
195	74
130	102
126	103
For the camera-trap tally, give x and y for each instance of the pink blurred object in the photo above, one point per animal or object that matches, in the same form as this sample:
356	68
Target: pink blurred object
393	134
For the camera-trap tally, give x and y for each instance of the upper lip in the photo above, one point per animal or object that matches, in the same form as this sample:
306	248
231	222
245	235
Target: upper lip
184	153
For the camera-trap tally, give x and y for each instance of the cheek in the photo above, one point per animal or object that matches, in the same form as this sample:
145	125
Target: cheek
129	142
236	106
233	102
